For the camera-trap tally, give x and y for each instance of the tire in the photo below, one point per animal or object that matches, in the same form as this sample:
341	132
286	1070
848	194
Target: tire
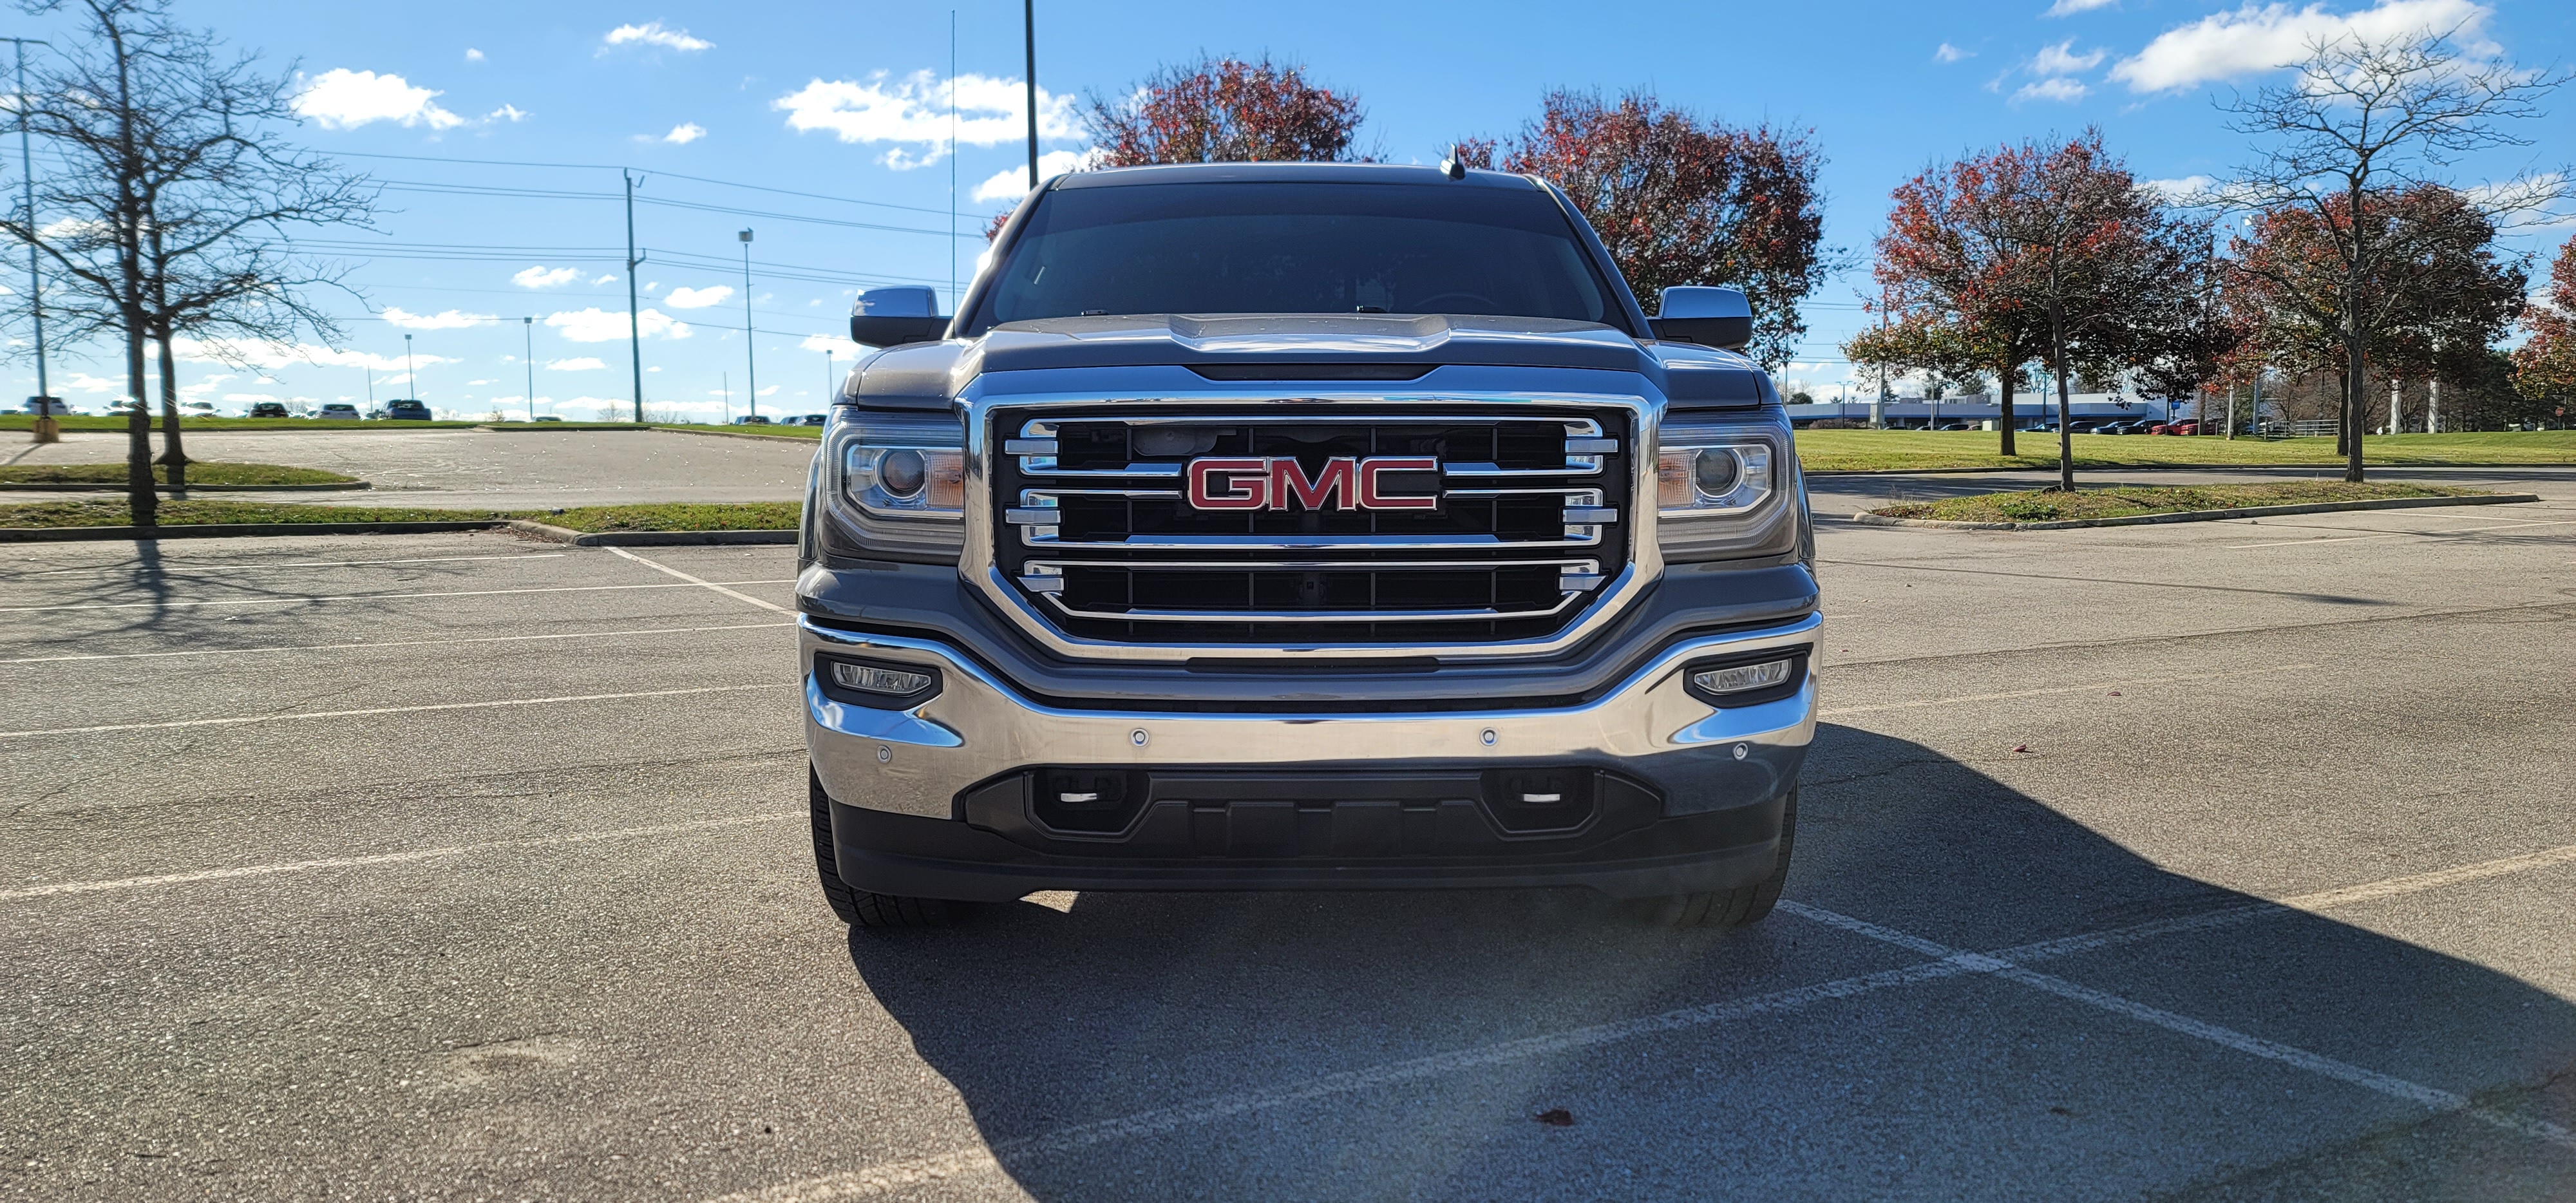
862	908
1745	905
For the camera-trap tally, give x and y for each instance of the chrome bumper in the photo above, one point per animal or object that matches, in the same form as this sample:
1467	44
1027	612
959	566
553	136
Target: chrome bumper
917	761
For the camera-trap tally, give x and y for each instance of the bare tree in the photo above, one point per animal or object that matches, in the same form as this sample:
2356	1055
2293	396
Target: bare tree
178	204
2365	118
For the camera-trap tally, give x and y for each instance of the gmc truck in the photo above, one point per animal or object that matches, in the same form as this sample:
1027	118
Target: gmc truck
1304	526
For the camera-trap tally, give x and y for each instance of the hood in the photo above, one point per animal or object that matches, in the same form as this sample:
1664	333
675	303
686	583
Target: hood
1686	374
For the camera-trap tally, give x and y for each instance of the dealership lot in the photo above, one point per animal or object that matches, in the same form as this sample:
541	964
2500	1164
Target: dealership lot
2222	861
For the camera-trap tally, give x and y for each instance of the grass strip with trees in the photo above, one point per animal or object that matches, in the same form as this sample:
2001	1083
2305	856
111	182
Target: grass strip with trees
758	515
2051	505
1923	450
201	474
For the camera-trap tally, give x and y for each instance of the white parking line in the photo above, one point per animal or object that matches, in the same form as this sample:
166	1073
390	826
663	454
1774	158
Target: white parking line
279	718
2438	535
336	647
254	565
386	858
887	1177
2057	689
2225	1037
665	568
2307	542
288	601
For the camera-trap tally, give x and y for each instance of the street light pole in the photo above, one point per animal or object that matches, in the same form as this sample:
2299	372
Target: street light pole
634	323
35	280
411	375
750	358
1029	34
528	336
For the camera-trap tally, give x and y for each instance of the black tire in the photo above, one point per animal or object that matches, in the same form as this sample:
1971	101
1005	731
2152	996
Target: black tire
862	908
1745	905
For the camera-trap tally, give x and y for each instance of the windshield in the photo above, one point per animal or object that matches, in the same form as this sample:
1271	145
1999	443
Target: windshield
1237	247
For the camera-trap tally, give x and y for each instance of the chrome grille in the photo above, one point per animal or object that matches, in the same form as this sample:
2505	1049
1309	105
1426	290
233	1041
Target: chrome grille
1093	524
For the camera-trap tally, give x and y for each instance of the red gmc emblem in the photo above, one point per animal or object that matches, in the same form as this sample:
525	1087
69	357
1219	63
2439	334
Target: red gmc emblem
1267	483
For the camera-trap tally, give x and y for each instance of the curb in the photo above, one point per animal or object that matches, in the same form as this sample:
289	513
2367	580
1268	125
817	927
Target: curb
35	487
226	530
1866	518
740	434
648	538
558	427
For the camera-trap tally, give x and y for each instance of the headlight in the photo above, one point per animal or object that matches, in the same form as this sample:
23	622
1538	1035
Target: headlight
901	481
1718	488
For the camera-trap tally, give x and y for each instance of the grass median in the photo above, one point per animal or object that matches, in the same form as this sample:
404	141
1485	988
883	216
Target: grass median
1900	450
2130	502
200	472
764	515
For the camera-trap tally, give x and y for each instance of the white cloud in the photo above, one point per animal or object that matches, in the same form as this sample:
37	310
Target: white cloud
1013	183
83	382
2061	59
270	356
583	363
836	343
472	55
684	133
2052	89
595	325
1951	54
609	278
771	391
507	112
913	112
2068	8
2258	38
2180	189
476	383
651	33
542	276
452	319
698	298
343	99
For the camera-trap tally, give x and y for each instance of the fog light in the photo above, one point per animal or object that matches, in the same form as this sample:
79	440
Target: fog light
872	679
1741	678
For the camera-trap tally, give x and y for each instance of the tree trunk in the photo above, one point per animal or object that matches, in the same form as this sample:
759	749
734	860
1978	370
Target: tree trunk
2057	368
173	457
2353	409
2006	376
141	495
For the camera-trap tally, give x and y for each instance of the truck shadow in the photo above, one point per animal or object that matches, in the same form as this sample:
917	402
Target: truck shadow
1364	1045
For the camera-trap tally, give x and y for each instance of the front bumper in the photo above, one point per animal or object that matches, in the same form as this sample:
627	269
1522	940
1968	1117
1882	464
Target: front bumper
941	799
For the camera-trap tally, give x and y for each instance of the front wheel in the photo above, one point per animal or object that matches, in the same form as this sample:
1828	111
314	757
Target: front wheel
1744	905
862	908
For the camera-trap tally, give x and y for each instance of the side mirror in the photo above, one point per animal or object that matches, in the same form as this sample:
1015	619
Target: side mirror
1711	317
891	317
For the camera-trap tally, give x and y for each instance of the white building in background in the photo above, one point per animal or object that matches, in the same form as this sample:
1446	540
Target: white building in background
2029	409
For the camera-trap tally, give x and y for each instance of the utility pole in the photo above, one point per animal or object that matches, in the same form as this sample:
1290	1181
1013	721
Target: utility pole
528	336
952	162
1029	35
411	375
634	322
45	423
750	360
831	387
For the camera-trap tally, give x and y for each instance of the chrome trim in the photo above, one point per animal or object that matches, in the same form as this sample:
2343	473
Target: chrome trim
1039	445
1046	577
980	409
916	761
1346	617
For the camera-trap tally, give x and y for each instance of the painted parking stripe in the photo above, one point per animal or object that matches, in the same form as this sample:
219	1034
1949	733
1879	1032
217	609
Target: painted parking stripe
2417	1093
389	858
337	647
367	597
889	1177
657	566
306	714
2057	689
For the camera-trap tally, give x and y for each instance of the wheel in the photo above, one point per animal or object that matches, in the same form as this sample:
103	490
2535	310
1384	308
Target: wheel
1747	905
862	908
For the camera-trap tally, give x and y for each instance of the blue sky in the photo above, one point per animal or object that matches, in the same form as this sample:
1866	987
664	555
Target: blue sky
846	103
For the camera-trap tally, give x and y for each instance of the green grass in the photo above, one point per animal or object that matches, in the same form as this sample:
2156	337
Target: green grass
200	472
1894	450
116	423
2128	501
772	515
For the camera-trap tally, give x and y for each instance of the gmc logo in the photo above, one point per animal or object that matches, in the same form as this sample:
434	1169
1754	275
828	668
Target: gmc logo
1268	482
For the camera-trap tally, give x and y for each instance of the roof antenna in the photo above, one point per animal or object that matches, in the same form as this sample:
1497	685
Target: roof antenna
1455	166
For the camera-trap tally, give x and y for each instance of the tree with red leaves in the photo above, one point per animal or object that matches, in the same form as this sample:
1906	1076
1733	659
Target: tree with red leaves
2544	368
1947	289
1226	110
1680	201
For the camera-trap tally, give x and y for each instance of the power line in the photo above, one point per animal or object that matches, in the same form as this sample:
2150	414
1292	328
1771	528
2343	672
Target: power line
698	179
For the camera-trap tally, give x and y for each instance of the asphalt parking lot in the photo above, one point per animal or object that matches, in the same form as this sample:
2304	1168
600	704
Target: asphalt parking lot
2215	862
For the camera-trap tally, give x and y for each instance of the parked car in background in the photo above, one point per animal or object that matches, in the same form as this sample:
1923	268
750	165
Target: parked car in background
407	411
2188	426
268	409
810	420
197	409
335	411
1956	426
751	420
47	407
547	418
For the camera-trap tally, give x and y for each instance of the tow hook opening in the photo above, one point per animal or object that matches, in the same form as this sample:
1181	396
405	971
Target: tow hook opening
1089	801
1524	801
